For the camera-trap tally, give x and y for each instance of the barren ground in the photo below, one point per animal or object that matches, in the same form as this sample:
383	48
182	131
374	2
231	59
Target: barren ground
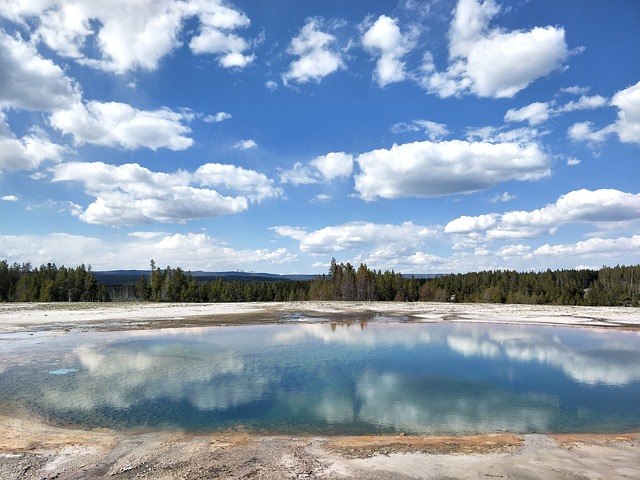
32	449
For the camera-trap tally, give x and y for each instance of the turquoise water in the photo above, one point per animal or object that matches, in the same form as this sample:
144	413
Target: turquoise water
375	377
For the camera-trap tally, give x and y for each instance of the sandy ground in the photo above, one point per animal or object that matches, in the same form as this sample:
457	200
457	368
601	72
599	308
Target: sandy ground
30	449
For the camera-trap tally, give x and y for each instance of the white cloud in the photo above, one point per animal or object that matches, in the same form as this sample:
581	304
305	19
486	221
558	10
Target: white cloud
60	248
522	135
610	247
510	251
271	85
466	224
216	36
334	165
385	40
583	131
245	145
130	35
321	197
539	112
426	260
572	162
605	205
200	249
575	90
28	152
503	197
298	175
583	103
191	251
534	113
9	198
256	186
218	117
599	206
490	62
130	194
118	124
316	59
354	235
297	233
429	169
627	126
28	81
433	130
323	168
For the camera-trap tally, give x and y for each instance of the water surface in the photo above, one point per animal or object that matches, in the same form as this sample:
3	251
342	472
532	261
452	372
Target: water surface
376	377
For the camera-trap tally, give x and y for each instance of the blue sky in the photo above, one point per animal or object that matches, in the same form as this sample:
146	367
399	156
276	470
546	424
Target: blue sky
421	136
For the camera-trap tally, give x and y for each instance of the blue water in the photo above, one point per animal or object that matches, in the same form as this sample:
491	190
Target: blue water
443	378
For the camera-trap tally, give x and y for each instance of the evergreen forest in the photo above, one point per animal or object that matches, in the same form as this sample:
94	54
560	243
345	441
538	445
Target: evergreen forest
609	286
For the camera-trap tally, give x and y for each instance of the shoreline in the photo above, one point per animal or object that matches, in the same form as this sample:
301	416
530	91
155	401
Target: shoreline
33	449
20	317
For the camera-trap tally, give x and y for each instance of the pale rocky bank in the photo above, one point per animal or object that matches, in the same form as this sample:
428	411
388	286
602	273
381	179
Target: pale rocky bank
32	449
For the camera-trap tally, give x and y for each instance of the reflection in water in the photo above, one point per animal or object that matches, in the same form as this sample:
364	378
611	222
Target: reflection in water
343	378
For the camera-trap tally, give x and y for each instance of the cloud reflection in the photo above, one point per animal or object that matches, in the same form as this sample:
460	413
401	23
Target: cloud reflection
121	375
587	356
392	377
394	400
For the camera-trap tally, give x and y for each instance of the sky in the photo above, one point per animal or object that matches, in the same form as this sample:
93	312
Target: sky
423	136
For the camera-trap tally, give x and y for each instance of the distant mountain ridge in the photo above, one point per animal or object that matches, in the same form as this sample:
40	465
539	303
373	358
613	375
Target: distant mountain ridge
119	277
123	277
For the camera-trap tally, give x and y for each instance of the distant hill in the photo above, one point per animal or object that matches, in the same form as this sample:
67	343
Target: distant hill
124	277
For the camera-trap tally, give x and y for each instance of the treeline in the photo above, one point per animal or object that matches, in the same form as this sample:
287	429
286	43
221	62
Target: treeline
609	286
344	282
176	285
49	283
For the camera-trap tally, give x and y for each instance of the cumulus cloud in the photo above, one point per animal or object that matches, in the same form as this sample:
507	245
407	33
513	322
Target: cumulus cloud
385	40
255	186
119	124
466	224
534	113
62	248
583	103
29	81
432	169
195	251
433	130
503	197
599	206
299	175
218	117
355	235
9	198
575	90
334	165
539	112
28	152
316	58
490	62
216	36
627	125
271	85
245	145
610	247
130	194
122	36
572	162
323	168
